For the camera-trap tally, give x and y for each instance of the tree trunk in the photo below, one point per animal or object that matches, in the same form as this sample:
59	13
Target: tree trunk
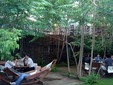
73	56
92	48
79	67
93	36
67	51
63	44
58	51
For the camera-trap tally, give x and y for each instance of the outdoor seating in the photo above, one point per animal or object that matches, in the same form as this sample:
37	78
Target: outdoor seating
110	69
86	66
32	79
2	62
106	72
95	67
20	68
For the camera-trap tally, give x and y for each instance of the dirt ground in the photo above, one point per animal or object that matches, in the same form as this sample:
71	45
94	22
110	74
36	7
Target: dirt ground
58	79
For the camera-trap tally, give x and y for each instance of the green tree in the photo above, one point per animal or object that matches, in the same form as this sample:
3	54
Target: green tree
14	13
8	42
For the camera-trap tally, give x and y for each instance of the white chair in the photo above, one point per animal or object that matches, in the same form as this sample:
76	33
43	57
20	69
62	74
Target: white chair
86	66
110	69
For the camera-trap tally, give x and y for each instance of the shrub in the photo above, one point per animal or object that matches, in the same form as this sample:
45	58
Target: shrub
55	69
91	79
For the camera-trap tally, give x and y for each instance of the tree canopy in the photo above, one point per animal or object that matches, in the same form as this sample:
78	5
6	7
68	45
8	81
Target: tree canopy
35	17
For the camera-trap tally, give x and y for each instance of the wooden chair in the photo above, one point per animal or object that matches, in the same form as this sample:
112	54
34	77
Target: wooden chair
110	69
95	65
86	67
2	63
32	79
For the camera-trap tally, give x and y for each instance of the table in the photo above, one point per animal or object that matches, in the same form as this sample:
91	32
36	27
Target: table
21	68
2	63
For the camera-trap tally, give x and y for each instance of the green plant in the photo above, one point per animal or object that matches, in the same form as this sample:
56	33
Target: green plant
8	42
41	60
18	55
91	79
55	69
63	64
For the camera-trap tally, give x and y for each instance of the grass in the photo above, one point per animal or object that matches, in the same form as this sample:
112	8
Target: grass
105	81
99	81
95	79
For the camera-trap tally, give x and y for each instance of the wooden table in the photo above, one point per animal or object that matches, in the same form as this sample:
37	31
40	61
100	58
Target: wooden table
21	68
2	63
